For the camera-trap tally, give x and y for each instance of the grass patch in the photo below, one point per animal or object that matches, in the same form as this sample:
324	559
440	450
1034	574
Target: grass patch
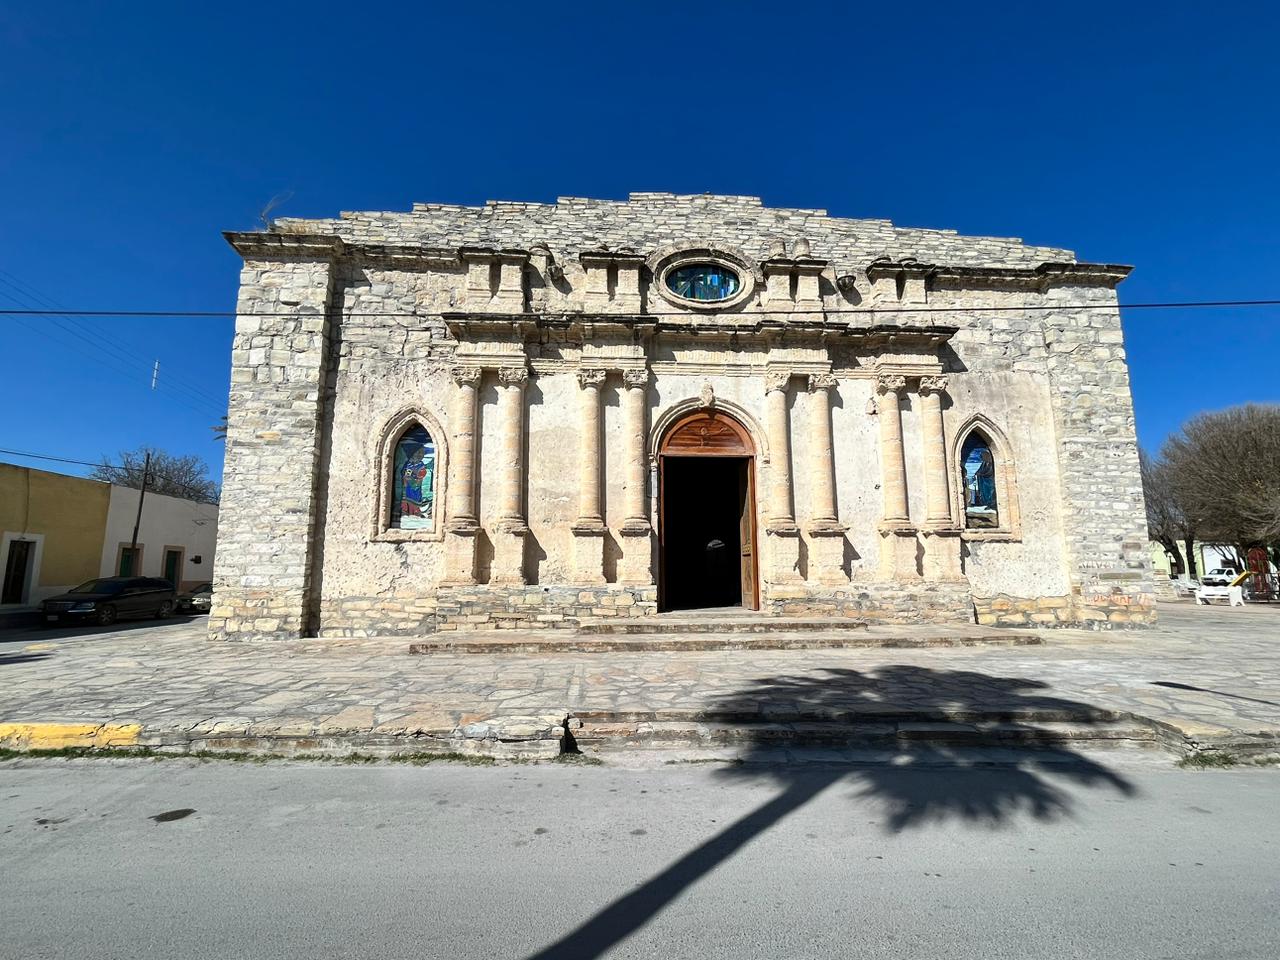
581	759
1209	761
728	761
229	756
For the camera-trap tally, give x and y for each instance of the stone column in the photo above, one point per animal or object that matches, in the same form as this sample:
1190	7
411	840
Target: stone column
826	561
775	401
897	536
589	529
782	536
462	528
940	536
510	530
637	549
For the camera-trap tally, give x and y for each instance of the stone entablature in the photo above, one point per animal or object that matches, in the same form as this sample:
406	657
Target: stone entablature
541	349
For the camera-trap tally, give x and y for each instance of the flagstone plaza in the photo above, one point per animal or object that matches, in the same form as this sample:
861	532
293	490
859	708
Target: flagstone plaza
1204	678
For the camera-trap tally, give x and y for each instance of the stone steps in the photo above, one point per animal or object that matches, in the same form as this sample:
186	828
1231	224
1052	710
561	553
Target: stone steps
517	642
605	734
731	623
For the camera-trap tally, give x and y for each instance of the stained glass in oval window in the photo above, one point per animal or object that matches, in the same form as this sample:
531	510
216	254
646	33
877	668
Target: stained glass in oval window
413	486
707	282
979	465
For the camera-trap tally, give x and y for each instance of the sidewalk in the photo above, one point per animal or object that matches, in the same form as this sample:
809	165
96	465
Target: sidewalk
1207	678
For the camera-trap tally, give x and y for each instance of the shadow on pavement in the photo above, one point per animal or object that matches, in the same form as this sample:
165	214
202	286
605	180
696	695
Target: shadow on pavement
1217	693
8	658
69	630
916	784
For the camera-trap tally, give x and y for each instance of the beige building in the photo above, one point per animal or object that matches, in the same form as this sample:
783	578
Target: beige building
58	531
525	413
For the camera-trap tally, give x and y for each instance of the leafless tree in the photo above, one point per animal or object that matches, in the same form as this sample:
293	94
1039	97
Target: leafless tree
1224	469
186	477
1167	522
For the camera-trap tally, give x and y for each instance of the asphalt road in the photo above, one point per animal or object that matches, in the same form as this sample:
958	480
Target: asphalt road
176	859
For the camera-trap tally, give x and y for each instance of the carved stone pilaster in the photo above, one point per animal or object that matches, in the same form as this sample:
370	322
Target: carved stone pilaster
777	381
513	376
465	375
635	377
933	385
890	384
591	377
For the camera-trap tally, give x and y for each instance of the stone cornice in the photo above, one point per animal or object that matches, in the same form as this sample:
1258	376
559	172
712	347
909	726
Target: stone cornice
742	324
1040	277
606	257
800	265
508	254
262	245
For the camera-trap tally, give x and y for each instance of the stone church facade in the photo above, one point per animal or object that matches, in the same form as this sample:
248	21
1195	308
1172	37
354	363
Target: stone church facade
528	414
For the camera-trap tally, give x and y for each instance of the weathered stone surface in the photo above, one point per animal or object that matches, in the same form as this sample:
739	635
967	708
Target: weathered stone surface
538	347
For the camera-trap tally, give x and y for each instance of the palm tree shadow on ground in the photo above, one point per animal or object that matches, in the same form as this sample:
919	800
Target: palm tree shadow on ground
917	784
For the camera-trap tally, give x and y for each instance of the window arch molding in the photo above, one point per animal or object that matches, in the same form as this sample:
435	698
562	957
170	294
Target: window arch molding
1008	514
384	454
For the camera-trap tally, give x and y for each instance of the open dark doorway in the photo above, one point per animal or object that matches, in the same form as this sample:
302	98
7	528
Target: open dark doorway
708	534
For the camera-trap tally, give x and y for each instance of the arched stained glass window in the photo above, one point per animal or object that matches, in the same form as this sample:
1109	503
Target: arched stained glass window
413	481
979	464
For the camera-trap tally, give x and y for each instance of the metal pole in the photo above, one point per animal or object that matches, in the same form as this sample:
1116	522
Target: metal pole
133	544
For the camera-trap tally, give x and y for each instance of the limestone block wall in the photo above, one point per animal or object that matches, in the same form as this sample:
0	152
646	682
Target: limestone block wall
1105	517
348	326
263	568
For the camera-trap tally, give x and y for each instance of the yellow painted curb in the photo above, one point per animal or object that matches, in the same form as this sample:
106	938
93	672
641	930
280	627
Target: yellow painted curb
55	736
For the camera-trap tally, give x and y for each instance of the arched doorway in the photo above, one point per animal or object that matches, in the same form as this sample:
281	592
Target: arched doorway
707	514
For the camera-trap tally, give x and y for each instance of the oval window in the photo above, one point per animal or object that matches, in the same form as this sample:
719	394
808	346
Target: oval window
705	282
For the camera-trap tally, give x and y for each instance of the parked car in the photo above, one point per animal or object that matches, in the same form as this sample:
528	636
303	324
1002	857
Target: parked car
1220	577
196	600
102	601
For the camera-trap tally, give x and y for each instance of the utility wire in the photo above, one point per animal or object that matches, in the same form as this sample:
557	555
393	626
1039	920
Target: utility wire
863	311
83	331
29	294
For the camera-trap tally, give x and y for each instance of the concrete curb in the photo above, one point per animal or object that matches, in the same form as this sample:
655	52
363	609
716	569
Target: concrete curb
692	734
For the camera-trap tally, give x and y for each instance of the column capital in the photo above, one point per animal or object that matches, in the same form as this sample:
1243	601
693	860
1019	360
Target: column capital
890	383
465	376
822	381
776	380
513	376
636	378
936	385
591	377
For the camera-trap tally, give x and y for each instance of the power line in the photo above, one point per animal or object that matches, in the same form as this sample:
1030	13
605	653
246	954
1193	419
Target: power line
27	295
115	367
862	311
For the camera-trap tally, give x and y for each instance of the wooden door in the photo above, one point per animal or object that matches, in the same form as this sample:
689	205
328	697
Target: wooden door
747	534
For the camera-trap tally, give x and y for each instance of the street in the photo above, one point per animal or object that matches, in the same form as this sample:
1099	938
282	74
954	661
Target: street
1120	855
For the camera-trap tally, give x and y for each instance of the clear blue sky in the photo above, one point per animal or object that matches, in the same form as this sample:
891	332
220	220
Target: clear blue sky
132	133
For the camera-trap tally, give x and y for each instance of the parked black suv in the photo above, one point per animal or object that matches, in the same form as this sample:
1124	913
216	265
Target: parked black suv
102	601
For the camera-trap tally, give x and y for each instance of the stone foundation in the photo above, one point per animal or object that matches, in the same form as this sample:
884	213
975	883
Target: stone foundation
886	602
1101	612
485	608
489	607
